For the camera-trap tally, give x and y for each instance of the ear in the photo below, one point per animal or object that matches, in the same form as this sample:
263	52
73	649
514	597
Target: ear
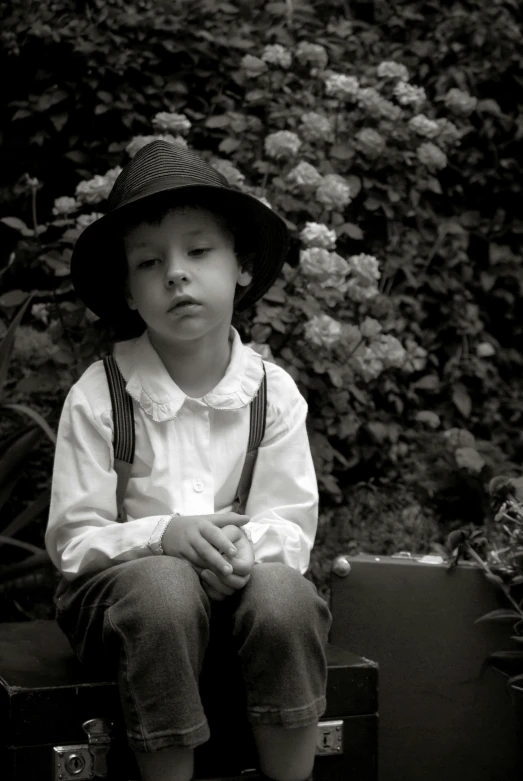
244	278
128	297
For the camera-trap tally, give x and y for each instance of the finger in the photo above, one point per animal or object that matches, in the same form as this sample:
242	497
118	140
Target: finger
235	582
224	519
241	567
216	584
218	539
212	558
234	534
212	593
193	559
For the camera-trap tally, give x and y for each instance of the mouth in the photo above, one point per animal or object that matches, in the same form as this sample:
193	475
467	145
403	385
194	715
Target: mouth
183	303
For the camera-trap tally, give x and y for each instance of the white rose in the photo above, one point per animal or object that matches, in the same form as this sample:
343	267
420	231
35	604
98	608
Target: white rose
172	122
316	234
305	175
276	54
392	70
64	205
323	331
334	192
283	143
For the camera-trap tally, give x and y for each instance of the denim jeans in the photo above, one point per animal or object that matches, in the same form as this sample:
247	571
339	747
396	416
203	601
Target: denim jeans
151	621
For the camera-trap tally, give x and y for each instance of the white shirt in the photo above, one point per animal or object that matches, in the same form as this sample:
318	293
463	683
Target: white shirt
188	460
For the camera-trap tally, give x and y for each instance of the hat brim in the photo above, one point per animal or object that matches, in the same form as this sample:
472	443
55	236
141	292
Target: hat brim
96	269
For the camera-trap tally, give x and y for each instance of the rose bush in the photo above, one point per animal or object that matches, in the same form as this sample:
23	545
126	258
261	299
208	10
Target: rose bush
396	311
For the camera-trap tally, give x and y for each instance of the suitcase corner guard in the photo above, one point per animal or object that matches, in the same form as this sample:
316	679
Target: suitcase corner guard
84	761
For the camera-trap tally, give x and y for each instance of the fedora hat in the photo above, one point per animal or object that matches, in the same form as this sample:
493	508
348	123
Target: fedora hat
158	170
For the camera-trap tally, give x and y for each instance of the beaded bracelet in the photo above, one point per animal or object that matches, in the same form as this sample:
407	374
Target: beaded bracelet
159	546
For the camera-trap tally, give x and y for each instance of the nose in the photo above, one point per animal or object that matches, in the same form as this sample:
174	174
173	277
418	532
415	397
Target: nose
175	272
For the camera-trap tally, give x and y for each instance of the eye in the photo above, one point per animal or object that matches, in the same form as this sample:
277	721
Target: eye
198	252
147	263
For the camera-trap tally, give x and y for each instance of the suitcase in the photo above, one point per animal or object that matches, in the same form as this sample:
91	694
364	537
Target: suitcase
443	713
58	722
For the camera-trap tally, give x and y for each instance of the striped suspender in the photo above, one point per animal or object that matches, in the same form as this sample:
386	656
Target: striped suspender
124	438
256	432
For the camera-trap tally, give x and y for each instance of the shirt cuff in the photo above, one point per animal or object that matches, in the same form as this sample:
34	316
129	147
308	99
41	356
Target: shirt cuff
154	542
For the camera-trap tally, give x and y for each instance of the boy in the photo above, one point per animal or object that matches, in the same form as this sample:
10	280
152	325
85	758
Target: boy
177	251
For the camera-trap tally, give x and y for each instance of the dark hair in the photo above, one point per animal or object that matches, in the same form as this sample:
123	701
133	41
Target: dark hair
152	210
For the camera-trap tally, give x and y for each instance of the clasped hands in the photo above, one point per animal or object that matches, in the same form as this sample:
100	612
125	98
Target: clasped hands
216	547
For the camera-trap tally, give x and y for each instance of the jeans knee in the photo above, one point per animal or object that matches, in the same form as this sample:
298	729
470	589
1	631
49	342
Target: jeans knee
281	601
158	592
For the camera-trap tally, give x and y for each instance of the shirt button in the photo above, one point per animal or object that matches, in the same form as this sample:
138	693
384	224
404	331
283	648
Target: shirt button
198	486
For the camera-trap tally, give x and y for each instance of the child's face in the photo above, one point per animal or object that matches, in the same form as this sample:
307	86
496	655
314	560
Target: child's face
188	255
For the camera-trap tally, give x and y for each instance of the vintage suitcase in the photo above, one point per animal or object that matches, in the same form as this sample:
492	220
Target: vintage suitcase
443	714
55	720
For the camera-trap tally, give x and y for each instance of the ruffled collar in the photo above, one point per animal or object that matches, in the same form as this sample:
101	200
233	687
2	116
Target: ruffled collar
149	382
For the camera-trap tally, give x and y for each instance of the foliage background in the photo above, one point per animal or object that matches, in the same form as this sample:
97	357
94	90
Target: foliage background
404	456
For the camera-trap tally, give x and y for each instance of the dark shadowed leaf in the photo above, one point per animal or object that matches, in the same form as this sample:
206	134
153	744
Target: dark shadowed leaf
221	120
7	343
13	298
498	615
14	222
351	230
462	400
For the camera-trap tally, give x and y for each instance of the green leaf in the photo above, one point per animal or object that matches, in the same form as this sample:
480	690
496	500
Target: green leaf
14	222
56	262
221	120
516	681
49	99
22	113
277	9
7	343
507	665
494	579
32	511
59	121
462	400
229	145
23	409
352	230
13	298
106	97
18	544
505	655
6	489
371	204
16	454
77	157
498	615
276	295
341	152
354	183
428	382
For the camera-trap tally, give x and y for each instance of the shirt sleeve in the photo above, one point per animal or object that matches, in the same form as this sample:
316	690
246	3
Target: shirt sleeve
283	500
82	534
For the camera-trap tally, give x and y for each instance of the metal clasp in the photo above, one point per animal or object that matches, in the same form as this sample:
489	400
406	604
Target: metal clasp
99	737
84	761
330	737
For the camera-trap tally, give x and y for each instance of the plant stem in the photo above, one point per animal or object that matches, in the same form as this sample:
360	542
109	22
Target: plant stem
503	587
33	211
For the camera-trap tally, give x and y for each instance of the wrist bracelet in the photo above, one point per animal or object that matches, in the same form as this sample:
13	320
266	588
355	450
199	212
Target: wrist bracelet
159	544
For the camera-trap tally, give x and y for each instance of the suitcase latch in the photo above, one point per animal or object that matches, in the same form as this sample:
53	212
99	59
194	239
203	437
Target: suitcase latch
84	761
330	737
99	737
